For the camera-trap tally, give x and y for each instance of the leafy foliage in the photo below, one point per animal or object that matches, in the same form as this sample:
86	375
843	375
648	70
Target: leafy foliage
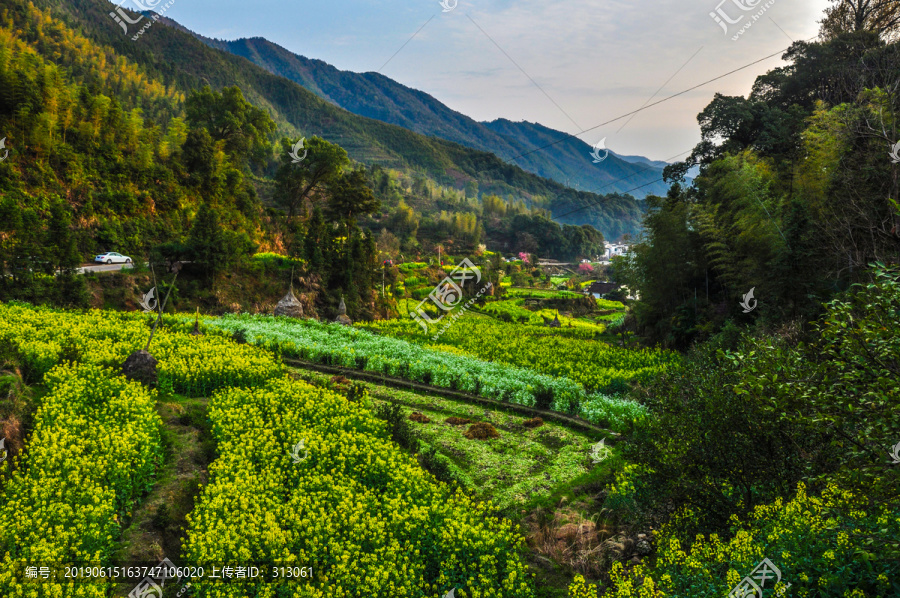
741	423
794	198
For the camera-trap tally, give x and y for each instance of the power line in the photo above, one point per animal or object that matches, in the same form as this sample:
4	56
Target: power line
584	207
661	87
407	41
523	71
596	203
666	99
593	203
634	174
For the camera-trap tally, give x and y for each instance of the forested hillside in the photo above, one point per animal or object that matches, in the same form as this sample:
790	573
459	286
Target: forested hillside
102	156
797	194
376	96
177	58
119	145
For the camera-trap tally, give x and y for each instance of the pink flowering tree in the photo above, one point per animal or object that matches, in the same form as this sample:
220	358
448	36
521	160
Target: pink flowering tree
585	269
523	256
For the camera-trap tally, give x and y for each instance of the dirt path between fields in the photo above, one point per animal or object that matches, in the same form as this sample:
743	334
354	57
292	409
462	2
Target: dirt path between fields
155	529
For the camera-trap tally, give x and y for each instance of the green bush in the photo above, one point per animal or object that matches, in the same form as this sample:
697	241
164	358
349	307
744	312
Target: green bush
740	434
239	336
397	425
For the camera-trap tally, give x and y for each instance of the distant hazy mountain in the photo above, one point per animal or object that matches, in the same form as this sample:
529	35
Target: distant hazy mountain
642	160
372	95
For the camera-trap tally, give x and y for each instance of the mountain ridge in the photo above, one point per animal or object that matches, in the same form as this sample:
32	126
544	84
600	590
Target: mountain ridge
178	60
523	143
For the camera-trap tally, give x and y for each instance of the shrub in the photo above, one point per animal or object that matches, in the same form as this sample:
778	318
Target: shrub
437	465
357	392
239	336
397	426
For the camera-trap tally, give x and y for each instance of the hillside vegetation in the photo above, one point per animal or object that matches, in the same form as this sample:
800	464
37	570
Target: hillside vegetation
796	197
177	59
374	95
113	149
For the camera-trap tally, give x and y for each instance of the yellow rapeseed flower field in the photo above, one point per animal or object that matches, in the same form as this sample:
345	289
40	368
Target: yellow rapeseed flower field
93	451
363	515
191	365
355	509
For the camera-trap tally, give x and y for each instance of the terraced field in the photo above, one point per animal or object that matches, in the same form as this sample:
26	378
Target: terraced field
359	510
521	465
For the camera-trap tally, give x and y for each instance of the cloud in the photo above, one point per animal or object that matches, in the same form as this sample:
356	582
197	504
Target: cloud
595	60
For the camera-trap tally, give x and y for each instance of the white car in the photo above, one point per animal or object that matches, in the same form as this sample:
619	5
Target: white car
112	257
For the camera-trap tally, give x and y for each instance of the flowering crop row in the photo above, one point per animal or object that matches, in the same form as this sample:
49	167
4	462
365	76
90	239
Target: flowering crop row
338	345
512	311
595	364
190	365
93	451
362	514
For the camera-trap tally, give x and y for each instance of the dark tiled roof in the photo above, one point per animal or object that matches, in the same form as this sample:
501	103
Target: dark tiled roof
601	288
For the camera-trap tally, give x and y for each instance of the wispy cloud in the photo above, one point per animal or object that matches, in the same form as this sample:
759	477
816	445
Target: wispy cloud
595	60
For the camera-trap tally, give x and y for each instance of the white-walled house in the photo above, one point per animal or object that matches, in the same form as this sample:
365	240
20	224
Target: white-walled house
614	249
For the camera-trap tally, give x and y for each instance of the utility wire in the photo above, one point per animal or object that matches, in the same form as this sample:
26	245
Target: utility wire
666	99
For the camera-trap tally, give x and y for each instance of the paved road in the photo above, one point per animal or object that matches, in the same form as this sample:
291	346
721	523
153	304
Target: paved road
102	268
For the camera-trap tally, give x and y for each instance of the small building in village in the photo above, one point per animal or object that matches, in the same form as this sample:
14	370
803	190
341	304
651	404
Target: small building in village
598	289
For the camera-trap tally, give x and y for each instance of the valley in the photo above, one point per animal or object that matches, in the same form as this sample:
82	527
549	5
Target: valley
270	328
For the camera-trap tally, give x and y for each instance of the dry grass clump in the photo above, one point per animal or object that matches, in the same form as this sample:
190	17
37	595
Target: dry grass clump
533	423
567	537
458	421
481	431
419	417
340	382
589	545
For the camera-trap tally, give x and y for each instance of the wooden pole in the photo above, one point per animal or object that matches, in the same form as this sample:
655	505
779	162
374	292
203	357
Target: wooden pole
160	307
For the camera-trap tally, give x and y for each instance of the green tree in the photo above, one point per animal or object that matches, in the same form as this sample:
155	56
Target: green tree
207	242
296	181
199	159
878	16
314	242
64	257
243	128
350	197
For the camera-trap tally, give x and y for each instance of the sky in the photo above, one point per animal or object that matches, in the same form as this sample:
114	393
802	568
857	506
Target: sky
572	65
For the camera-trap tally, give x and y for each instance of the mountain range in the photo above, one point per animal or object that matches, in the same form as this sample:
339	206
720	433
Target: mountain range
568	161
432	142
